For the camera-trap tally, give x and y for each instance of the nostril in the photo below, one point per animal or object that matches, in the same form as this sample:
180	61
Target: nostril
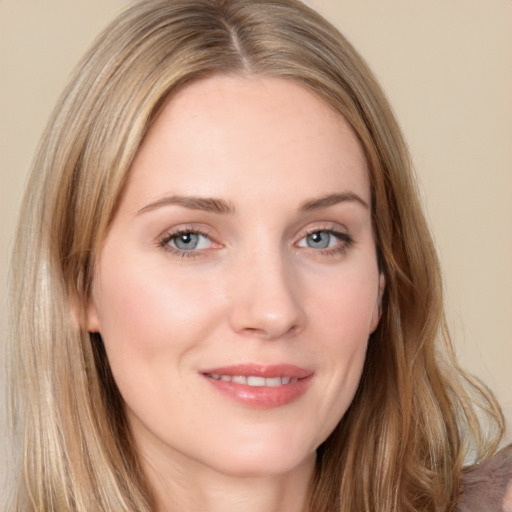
271	332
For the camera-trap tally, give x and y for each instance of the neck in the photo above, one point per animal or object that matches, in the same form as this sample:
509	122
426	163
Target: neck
202	488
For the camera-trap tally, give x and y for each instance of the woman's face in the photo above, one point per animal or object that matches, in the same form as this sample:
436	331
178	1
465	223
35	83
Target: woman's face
238	282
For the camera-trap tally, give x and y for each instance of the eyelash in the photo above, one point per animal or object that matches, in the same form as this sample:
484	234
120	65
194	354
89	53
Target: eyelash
168	237
346	241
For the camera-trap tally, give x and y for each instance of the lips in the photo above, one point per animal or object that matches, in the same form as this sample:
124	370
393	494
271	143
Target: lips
254	380
260	386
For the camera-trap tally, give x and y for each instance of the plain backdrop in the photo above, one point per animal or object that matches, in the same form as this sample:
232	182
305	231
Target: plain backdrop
446	66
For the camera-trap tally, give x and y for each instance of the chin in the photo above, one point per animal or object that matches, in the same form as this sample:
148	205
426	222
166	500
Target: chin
267	461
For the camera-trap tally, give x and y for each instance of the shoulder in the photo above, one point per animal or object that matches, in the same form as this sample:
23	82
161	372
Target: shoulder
487	487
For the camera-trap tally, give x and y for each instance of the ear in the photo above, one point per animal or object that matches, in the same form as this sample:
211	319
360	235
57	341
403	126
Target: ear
84	314
377	312
92	323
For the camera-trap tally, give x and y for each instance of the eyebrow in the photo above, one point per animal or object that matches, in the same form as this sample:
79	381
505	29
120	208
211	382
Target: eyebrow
221	206
333	199
207	204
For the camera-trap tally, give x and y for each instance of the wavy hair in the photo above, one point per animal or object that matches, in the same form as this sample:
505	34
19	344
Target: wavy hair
415	417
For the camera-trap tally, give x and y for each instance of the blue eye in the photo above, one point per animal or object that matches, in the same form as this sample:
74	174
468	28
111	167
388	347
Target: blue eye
325	239
186	241
319	240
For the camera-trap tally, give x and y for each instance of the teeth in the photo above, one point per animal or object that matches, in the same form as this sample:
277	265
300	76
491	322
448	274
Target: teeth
254	380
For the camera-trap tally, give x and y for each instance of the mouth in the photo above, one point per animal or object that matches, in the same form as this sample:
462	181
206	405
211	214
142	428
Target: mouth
253	380
260	386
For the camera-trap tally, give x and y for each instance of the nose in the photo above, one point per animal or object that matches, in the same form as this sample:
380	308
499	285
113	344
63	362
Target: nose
266	301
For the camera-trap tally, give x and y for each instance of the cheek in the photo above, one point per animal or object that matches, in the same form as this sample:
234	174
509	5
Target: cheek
150	316
344	314
346	303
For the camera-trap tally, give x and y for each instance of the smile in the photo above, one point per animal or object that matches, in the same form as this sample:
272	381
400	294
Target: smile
254	380
259	386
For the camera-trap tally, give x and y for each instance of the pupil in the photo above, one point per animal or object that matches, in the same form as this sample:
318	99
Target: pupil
319	239
187	241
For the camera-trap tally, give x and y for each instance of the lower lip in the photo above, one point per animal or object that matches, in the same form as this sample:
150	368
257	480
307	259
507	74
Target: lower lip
261	397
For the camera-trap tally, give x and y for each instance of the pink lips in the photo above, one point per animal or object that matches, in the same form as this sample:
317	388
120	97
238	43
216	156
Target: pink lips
260	386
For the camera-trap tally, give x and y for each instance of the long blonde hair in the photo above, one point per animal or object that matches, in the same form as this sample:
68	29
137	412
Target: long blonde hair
401	445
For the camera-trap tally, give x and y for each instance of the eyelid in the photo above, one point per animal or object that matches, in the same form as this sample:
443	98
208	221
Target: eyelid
164	239
346	240
328	226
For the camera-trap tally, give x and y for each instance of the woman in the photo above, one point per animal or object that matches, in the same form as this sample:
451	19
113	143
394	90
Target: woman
226	294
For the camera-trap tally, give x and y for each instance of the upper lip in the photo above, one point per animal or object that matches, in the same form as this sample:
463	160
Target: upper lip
261	370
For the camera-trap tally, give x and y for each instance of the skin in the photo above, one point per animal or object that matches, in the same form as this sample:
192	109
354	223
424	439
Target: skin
257	288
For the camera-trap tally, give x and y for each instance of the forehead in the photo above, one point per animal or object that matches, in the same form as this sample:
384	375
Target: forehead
227	134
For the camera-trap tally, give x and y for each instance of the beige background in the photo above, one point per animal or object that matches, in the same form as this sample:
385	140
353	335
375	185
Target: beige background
447	68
